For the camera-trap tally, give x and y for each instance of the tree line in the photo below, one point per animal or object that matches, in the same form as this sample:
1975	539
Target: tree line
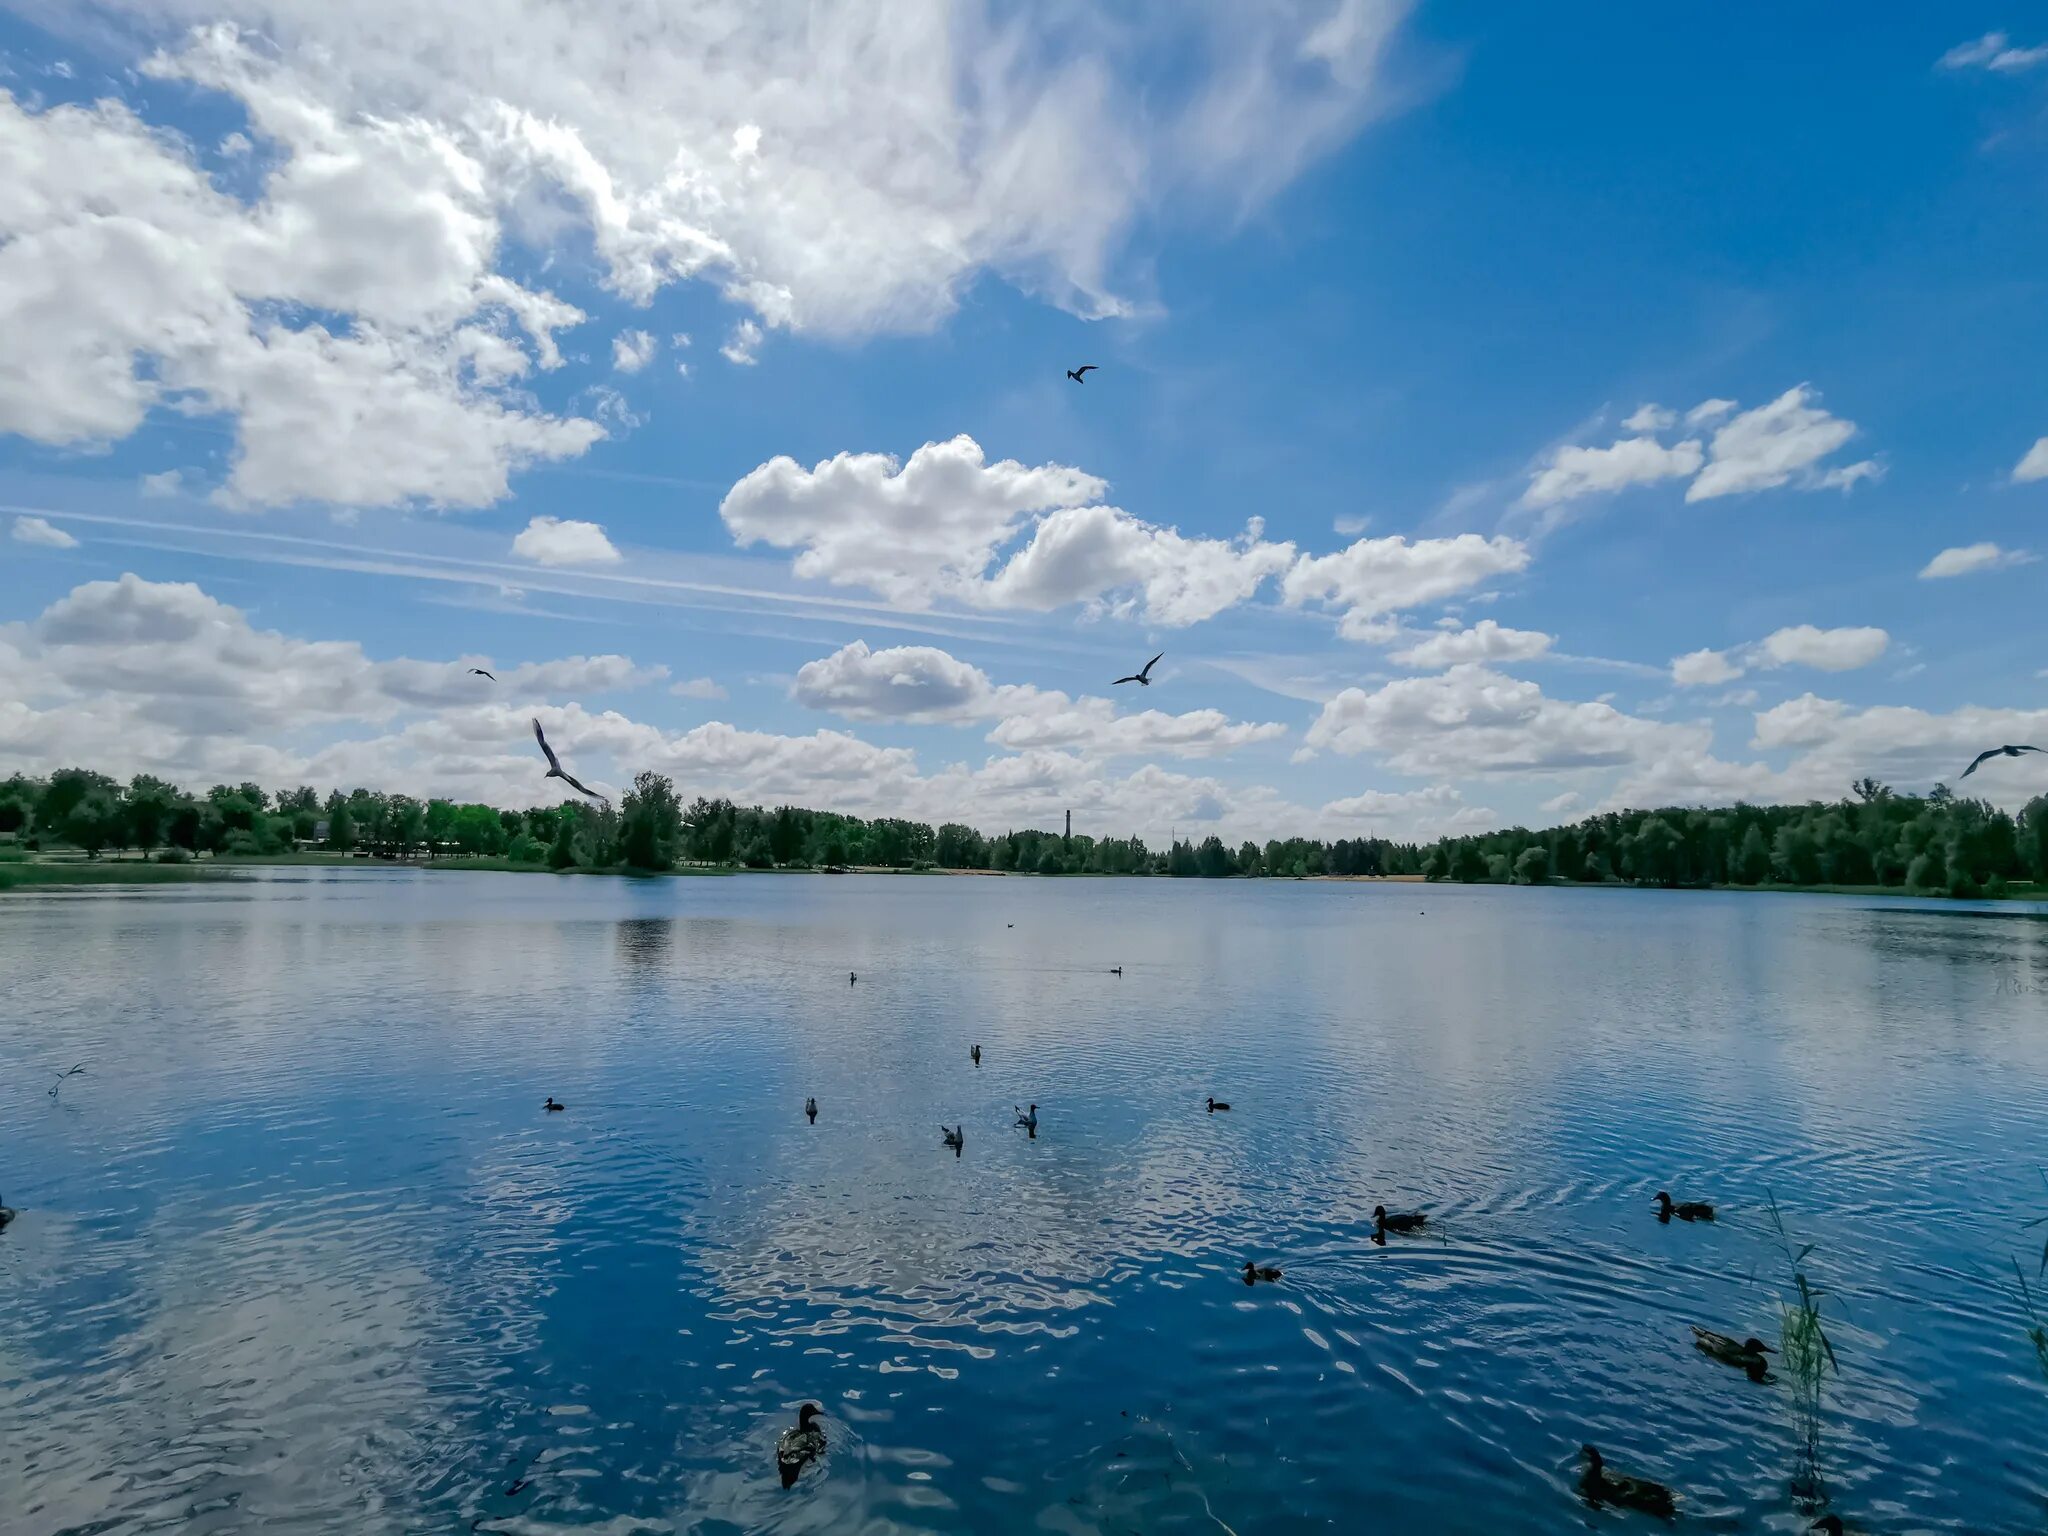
1934	843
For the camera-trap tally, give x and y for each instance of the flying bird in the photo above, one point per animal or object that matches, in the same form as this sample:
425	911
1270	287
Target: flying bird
555	769
1143	676
1075	373
954	1136
61	1076
1978	760
480	672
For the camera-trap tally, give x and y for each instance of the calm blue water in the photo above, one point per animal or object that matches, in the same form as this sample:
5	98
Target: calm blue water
302	1253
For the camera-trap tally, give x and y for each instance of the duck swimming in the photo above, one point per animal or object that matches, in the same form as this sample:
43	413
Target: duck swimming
799	1447
7	1214
1400	1221
1116	970
1744	1354
1216	1104
811	1109
1253	1273
1687	1210
551	1106
1028	1121
976	1054
1601	1486
851	978
954	1136
1830	1524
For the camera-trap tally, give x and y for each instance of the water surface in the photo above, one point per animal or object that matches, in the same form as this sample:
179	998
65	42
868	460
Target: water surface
301	1252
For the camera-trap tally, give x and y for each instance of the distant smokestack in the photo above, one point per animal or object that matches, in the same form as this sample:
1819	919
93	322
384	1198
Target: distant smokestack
1070	828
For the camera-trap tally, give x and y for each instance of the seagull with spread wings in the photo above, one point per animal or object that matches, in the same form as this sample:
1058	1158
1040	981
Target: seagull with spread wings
1075	373
480	672
1997	752
1143	676
555	769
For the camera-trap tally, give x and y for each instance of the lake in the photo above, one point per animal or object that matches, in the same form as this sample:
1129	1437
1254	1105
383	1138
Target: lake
301	1251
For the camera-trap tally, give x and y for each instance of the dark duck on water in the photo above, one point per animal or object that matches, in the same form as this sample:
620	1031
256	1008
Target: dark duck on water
799	1447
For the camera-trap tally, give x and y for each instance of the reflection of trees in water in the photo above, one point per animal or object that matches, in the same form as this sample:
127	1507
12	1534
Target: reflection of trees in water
645	941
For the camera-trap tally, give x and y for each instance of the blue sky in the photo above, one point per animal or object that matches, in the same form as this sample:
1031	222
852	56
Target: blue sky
1462	368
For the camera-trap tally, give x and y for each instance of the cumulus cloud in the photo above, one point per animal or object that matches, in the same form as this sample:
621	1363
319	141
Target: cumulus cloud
1413	815
1564	804
401	144
633	350
1970	559
1485	641
128	280
564	541
932	528
1704	669
1780	443
2034	466
1993	51
1828	650
169	482
1472	720
697	688
1573	472
923	684
1376	577
1837	742
744	345
1798	645
41	532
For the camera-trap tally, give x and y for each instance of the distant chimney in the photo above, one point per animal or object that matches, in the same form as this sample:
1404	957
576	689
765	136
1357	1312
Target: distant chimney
1070	828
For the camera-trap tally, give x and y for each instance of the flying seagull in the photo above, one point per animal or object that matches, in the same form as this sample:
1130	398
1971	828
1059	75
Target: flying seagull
480	672
1075	373
1997	752
555	770
59	1084
1143	676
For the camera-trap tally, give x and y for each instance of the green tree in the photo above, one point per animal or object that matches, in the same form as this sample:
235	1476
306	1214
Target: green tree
93	821
148	808
2033	837
66	788
1752	862
562	853
1532	865
341	827
651	823
1212	859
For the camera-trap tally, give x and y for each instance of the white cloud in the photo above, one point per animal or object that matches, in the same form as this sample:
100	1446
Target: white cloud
697	688
1993	51
1776	444
931	528
1409	815
403	147
2034	466
129	281
1376	577
40	531
1485	641
1697	669
169	482
1772	444
1564	804
1829	650
1471	720
632	351
1574	472
1349	525
1969	559
1801	645
744	345
1913	748
564	541
923	684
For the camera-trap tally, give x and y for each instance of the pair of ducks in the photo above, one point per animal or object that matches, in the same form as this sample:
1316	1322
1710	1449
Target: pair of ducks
1384	1222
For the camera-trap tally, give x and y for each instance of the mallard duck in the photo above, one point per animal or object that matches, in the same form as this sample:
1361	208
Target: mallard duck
1400	1221
551	1106
1216	1104
801	1446
1028	1121
1687	1210
1253	1273
1601	1486
976	1054
954	1136
1116	970
1744	1354
811	1110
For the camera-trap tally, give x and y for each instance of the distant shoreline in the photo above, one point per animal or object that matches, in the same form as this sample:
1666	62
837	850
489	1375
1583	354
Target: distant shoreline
46	871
